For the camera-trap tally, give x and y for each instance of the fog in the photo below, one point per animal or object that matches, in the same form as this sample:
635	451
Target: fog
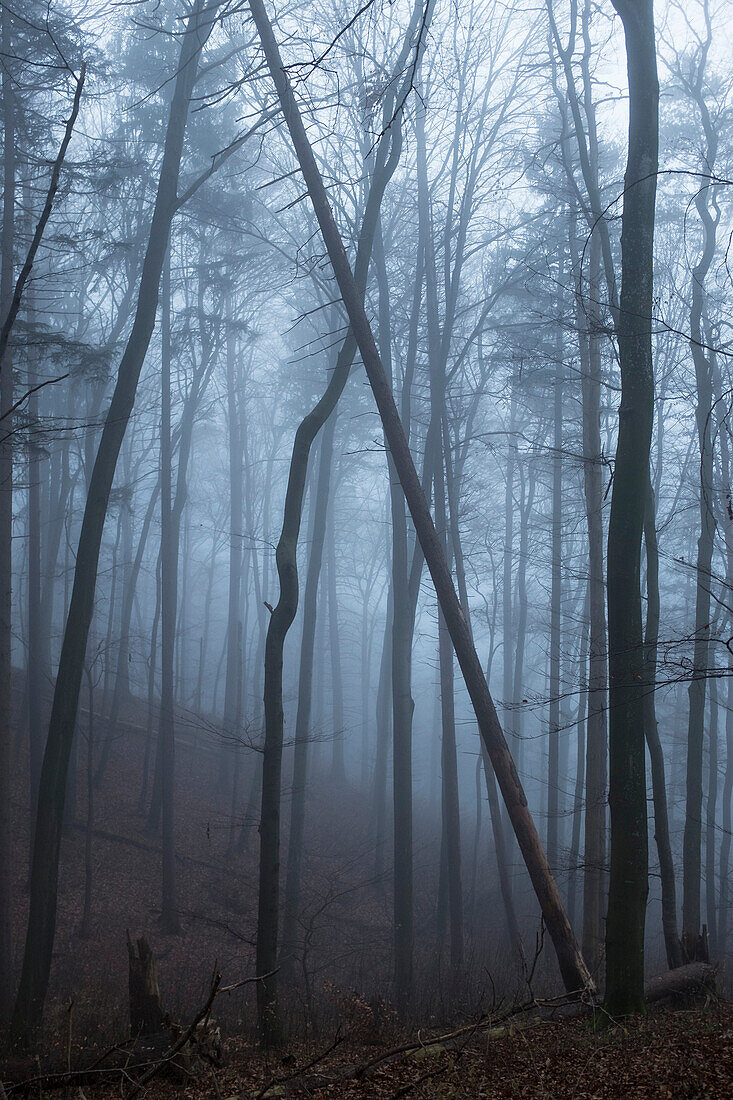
236	719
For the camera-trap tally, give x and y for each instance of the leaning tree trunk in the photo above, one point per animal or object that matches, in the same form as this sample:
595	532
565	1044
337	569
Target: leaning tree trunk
44	874
572	966
628	884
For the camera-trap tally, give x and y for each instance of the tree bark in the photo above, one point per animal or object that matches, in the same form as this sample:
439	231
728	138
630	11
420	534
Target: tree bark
628	884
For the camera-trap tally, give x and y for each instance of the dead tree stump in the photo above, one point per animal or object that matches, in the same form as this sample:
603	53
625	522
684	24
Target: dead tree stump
146	1009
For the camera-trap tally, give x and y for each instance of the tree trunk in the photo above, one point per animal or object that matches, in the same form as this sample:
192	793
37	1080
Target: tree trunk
553	769
654	744
384	731
338	764
726	823
628	884
596	783
86	920
169	596
692	843
581	741
6	531
152	660
291	909
44	875
34	679
710	811
124	646
236	514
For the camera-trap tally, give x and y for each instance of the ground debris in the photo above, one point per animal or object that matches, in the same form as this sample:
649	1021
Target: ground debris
671	1054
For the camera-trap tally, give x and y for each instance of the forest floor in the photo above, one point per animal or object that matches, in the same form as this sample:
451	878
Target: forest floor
346	928
667	1054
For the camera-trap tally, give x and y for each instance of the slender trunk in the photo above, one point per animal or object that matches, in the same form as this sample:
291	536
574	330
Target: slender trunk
628	886
726	823
169	918
122	669
204	640
154	811
710	812
6	531
507	630
34	679
86	920
384	731
232	680
596	782
125	623
520	630
692	943
236	734
653	742
502	861
291	911
476	840
497	824
580	725
44	875
338	764
553	769
449	759
402	702
108	646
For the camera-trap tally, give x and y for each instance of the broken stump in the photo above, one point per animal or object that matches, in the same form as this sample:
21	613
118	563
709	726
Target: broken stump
146	1009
